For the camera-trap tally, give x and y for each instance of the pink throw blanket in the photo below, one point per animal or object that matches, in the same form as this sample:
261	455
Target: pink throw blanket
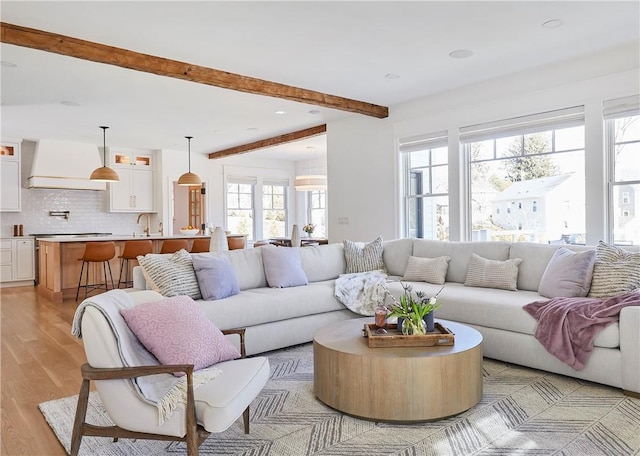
568	326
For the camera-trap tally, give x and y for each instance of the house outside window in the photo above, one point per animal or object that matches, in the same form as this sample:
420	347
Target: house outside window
240	207
426	186
317	212
530	164
622	122
274	209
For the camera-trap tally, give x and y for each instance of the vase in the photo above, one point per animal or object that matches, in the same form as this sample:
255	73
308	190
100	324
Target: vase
410	328
218	242
295	236
429	322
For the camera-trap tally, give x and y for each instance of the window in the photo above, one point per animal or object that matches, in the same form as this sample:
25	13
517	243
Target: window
535	161
274	209
622	118
426	186
317	212
240	207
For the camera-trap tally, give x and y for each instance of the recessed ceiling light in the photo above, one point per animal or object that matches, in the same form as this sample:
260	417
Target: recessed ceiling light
281	112
251	129
7	64
314	111
310	147
552	24
392	76
73	104
460	54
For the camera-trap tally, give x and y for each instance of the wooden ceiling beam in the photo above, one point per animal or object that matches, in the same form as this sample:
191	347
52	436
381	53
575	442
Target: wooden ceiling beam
270	142
96	52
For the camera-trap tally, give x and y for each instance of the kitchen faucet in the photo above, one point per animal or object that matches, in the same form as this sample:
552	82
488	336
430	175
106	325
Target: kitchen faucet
147	229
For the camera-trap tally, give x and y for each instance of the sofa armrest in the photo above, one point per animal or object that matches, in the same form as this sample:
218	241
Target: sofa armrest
630	348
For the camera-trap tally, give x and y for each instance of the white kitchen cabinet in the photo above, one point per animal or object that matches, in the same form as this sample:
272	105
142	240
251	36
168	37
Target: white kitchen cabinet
17	261
134	192
10	179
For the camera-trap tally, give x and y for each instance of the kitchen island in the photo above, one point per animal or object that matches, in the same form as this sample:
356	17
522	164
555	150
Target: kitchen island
59	268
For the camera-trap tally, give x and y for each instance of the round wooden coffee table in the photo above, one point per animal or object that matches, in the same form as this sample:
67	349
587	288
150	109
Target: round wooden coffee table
396	383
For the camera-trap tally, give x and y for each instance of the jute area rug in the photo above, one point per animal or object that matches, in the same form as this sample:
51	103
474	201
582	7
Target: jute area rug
523	412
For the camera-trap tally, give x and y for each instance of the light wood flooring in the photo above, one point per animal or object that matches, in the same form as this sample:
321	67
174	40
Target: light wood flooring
40	361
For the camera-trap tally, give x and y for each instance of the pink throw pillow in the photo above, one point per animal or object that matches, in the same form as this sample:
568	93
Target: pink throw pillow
177	331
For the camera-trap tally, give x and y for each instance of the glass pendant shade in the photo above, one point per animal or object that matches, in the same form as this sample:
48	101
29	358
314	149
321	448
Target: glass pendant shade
104	173
189	178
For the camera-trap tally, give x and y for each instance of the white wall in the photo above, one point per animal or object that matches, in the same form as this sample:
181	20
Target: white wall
361	179
363	160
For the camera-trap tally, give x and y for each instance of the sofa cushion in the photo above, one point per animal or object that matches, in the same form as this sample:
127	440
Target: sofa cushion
492	308
432	270
266	305
282	267
568	274
616	271
323	262
395	255
177	331
170	275
363	257
247	265
460	252
215	276
486	273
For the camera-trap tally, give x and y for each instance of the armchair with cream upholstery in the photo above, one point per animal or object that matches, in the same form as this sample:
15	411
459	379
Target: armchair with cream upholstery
210	408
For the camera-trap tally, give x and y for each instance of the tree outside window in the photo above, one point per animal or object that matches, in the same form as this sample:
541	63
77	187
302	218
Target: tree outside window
240	209
274	211
529	176
624	150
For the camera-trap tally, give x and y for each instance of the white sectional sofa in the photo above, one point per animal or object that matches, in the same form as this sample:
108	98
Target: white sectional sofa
280	317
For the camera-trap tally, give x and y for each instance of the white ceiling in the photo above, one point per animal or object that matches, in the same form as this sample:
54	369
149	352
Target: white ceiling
340	48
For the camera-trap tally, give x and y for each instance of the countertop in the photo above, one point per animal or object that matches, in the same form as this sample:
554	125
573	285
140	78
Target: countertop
114	237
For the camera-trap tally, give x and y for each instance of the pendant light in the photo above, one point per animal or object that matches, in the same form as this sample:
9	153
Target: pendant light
104	173
310	182
189	178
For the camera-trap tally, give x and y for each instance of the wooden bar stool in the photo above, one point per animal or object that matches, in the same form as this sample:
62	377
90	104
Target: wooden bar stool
131	251
96	252
200	245
173	245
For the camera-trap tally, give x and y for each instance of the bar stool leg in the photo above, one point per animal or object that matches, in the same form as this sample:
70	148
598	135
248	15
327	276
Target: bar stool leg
121	268
79	281
86	282
110	275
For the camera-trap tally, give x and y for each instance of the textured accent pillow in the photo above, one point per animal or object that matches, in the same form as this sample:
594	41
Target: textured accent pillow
482	272
215	276
432	270
177	331
171	275
282	267
568	274
616	271
361	257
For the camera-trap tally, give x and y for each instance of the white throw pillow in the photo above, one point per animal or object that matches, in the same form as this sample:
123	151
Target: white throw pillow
171	275
361	257
431	270
482	272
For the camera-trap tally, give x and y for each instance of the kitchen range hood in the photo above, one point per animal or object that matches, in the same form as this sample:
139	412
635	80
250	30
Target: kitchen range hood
65	165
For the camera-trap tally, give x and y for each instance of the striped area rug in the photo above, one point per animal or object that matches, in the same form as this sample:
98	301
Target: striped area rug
522	412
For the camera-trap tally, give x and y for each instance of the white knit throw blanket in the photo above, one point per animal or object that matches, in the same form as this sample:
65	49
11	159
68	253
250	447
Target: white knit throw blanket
361	292
165	391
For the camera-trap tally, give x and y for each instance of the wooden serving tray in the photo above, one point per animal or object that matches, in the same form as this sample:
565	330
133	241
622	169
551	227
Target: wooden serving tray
393	338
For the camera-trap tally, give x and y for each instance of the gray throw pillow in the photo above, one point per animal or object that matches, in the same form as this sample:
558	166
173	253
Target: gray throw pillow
282	267
215	276
361	257
170	274
482	272
568	274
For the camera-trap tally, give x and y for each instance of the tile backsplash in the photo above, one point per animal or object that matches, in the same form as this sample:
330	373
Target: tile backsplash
87	213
